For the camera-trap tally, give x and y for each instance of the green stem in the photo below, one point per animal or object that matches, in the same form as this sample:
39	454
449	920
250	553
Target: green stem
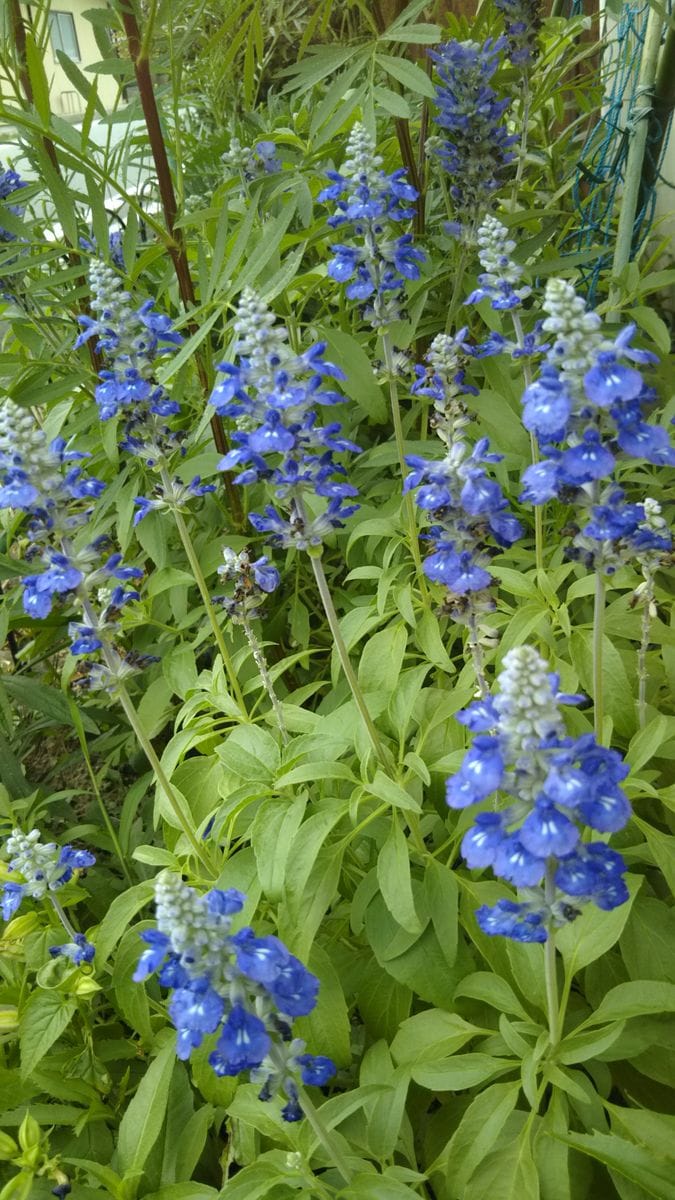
460	269
263	670
408	506
162	779
522	149
62	916
642	672
550	972
343	655
195	566
99	799
476	653
598	637
534	449
325	1137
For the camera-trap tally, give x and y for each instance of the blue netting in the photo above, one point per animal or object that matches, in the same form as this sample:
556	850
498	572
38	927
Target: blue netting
602	161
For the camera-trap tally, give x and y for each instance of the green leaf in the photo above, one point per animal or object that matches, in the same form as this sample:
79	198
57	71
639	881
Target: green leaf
408	73
42	1021
585	939
39	697
477	1133
492	990
272	834
328	1023
509	1173
118	916
430	1035
393	876
442	895
380	1187
142	1122
382	659
579	1047
266	245
38	79
631	1161
360	384
251	753
390	792
653	325
635	999
461	1071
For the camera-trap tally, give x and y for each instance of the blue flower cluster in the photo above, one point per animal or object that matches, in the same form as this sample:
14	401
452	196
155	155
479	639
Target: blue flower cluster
587	402
501	275
44	482
44	868
132	339
272	394
618	533
557	784
371	203
522	21
478	145
115	247
10	182
252	161
244	988
251	580
467	507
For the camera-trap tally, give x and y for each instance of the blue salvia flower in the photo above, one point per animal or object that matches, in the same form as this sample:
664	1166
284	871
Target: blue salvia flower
587	402
42	869
10	183
522	21
556	785
132	339
477	145
377	260
273	395
251	582
115	247
619	532
501	275
44	482
245	989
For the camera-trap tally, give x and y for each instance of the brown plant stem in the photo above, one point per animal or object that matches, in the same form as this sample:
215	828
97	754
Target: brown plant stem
176	245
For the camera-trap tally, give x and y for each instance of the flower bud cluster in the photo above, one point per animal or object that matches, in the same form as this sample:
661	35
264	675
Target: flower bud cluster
272	394
443	380
501	275
44	868
244	988
477	146
557	785
376	263
251	582
522	21
251	161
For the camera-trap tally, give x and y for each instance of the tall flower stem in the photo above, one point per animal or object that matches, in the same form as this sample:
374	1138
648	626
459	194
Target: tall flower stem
408	506
476	653
263	670
112	662
325	1137
343	655
534	449
112	834
642	672
550	967
598	638
56	905
198	574
162	779
460	270
522	149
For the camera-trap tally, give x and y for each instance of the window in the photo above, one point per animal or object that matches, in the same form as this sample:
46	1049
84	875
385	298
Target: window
63	35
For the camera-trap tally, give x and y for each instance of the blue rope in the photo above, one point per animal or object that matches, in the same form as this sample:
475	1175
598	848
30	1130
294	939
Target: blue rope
601	166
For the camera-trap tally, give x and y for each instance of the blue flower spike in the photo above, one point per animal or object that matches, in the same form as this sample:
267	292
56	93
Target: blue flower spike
555	787
242	990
